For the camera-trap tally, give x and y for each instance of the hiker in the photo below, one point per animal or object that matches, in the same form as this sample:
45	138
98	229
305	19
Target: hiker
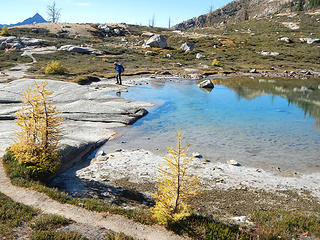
120	69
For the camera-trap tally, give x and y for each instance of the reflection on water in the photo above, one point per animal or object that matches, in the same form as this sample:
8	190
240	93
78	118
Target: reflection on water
260	127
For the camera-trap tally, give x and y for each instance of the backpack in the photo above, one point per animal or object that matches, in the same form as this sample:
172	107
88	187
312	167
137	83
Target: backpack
121	68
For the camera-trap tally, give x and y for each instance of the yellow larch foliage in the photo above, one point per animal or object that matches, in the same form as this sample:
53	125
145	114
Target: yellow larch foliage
54	67
176	185
36	145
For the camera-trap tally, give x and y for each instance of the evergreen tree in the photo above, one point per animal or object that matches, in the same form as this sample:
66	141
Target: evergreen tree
300	6
36	146
176	185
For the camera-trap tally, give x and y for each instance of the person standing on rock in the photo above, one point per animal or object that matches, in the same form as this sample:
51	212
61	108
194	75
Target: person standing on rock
120	69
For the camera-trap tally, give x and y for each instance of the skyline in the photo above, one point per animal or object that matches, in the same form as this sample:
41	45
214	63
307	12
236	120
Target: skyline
138	12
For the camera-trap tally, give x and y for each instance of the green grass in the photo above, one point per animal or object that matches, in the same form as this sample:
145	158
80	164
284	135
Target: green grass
200	227
287	224
49	222
11	58
13	215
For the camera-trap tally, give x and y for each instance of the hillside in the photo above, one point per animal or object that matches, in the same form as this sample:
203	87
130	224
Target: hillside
241	10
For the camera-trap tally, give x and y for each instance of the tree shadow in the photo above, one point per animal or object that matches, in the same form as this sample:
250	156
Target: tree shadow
69	182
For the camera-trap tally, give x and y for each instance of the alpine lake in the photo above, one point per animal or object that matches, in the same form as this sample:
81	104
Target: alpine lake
262	123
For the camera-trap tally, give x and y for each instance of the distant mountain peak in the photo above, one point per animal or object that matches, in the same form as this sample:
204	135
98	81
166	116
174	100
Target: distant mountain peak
37	18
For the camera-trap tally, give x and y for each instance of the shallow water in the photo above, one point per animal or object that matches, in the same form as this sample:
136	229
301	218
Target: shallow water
258	130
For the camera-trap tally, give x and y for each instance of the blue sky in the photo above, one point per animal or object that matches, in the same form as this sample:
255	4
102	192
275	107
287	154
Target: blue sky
110	11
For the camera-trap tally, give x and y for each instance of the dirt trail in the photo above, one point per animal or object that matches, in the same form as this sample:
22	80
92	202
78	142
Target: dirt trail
116	223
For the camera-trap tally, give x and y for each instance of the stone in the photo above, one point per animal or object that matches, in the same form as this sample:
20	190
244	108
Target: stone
286	39
187	47
199	56
101	153
147	34
102	158
253	70
156	41
117	31
105	28
195	76
309	40
168	55
206	84
233	163
196	155
77	49
18	45
3	45
264	53
149	53
35	30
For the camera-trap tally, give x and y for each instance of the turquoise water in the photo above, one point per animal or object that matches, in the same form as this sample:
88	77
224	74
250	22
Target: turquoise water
257	130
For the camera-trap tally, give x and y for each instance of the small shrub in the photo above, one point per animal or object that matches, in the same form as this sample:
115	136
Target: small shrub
54	67
85	80
215	62
104	60
4	31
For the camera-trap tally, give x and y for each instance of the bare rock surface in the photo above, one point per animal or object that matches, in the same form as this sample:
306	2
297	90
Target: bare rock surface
89	113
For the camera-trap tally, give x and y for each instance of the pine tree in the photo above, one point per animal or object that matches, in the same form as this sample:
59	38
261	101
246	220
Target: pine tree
36	146
176	185
300	6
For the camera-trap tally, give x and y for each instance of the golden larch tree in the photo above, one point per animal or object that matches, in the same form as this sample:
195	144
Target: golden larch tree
176	185
36	145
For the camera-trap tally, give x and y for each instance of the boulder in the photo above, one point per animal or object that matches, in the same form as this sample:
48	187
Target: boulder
188	47
104	27
206	84
253	70
147	34
199	56
77	49
309	40
18	45
32	42
117	31
285	39
156	41
3	45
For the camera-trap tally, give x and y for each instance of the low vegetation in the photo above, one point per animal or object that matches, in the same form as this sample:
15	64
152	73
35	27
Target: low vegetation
15	216
4	31
55	67
287	224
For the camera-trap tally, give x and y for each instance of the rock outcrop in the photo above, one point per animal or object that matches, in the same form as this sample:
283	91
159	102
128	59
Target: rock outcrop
236	11
19	43
89	115
187	47
156	41
78	49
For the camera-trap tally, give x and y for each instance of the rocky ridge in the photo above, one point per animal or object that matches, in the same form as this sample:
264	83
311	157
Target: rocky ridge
236	11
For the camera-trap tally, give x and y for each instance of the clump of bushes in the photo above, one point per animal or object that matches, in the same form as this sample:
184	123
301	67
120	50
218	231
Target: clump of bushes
85	80
215	62
55	67
4	31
